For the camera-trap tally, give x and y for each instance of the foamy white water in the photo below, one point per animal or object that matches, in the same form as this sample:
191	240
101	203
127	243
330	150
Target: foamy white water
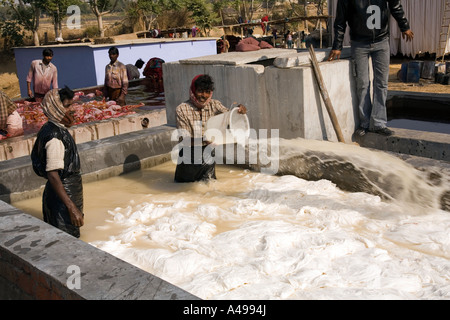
249	235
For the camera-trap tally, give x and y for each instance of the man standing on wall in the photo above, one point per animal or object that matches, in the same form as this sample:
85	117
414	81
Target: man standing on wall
116	79
44	76
369	33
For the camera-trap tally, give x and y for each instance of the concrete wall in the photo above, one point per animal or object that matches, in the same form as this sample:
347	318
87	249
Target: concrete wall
99	159
234	84
83	65
287	99
21	146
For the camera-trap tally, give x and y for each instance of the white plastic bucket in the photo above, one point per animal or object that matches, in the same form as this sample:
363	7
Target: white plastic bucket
228	127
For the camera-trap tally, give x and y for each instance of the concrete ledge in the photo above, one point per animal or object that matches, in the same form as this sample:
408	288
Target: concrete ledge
17	177
236	58
21	146
35	262
302	57
417	143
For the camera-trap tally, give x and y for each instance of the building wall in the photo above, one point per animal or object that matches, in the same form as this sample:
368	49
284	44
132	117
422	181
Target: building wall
83	65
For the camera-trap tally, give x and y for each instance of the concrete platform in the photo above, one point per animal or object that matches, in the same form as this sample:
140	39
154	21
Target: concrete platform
287	99
410	142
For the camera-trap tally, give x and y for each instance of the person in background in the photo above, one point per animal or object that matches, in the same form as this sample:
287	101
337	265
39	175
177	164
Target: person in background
133	70
116	79
264	22
10	120
288	38
55	157
43	74
153	71
369	34
192	116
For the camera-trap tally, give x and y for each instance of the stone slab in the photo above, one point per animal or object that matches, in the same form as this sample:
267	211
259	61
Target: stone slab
302	57
411	142
238	58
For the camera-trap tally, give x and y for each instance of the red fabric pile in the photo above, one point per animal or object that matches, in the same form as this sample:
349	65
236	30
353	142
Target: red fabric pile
251	44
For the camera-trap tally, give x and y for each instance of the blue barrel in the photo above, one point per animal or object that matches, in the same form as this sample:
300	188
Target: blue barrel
401	75
413	74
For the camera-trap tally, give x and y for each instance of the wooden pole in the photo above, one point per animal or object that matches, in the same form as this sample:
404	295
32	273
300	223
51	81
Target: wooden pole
324	92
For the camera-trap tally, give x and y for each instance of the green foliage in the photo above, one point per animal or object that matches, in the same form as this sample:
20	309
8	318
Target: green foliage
11	34
202	13
91	32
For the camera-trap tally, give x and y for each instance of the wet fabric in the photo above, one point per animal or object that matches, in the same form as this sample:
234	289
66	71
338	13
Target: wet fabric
55	211
153	69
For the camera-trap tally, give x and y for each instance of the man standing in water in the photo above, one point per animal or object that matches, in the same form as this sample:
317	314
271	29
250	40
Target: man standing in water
116	79
369	32
192	116
55	157
43	74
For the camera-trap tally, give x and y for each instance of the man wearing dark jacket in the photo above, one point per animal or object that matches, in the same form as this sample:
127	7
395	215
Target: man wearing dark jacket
55	157
369	33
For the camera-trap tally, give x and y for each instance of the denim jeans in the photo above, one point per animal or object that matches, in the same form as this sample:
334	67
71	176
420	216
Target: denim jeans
371	114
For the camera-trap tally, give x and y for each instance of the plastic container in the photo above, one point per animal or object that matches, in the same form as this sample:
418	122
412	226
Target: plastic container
401	75
440	68
413	74
428	70
447	67
228	127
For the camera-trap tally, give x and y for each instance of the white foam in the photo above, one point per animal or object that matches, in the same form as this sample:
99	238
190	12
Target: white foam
254	236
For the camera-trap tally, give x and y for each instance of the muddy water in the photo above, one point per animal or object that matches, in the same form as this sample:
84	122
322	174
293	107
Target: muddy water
249	235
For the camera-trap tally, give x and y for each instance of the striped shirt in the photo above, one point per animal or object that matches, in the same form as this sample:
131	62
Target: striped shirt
43	76
7	107
193	119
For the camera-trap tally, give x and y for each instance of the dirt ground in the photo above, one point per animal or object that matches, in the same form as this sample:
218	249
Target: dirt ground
9	82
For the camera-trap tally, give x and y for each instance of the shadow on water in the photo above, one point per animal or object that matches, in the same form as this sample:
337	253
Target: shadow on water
5	194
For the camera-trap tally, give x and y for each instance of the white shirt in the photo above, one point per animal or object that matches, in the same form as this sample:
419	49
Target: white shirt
55	155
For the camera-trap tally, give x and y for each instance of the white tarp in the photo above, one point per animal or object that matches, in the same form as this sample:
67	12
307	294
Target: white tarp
425	19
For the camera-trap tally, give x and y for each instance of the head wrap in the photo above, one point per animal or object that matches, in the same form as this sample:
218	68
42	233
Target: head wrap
194	100
53	107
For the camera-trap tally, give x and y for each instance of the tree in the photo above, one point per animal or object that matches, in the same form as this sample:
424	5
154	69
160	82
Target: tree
11	33
101	8
202	14
27	13
57	10
145	12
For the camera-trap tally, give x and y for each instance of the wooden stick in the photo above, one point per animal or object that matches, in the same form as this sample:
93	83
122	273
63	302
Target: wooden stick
324	92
